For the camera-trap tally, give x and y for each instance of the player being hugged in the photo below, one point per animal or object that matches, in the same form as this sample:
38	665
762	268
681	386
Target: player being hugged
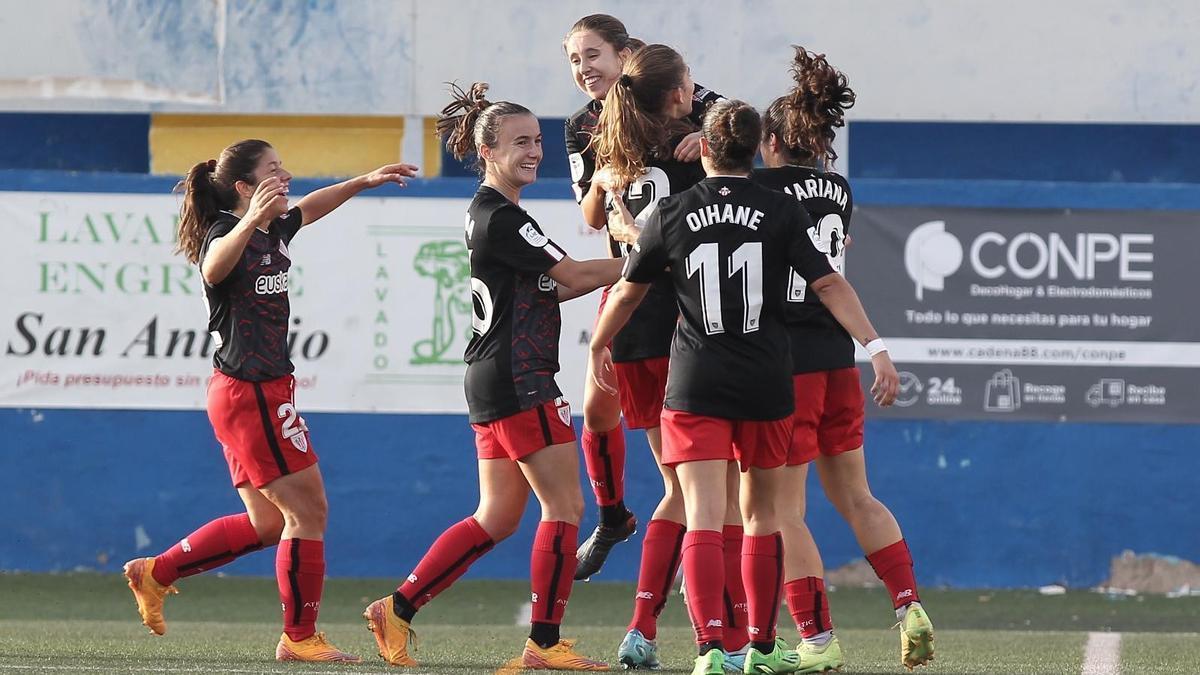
598	48
523	434
236	225
798	133
728	245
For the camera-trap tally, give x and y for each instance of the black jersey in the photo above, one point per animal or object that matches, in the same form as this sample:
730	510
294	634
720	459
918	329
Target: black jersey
649	331
818	341
513	353
729	244
581	126
248	310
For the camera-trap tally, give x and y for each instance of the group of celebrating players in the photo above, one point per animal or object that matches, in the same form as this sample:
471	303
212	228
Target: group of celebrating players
725	331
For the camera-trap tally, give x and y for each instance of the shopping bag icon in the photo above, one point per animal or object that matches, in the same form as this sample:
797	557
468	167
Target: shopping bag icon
1002	392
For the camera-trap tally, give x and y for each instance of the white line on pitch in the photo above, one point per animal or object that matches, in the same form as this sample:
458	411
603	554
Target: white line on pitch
1102	655
524	614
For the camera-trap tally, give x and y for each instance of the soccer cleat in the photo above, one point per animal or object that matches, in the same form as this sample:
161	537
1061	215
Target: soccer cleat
595	549
916	637
313	648
780	660
392	633
820	658
711	663
148	593
561	656
735	662
637	652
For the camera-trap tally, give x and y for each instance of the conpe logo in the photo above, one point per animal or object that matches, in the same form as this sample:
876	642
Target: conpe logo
930	255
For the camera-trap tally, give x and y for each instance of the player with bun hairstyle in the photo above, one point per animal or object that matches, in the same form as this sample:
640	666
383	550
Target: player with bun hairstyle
797	146
523	435
597	48
727	245
236	226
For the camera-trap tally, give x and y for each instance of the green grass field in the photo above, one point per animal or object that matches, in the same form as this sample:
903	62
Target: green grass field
87	623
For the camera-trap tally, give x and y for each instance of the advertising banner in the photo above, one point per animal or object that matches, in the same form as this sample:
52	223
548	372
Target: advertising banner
97	312
1034	314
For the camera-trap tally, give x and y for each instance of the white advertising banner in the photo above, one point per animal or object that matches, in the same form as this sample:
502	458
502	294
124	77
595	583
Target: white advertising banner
97	312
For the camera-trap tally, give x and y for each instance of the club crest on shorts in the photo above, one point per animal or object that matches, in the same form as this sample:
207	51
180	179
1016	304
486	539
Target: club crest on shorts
564	410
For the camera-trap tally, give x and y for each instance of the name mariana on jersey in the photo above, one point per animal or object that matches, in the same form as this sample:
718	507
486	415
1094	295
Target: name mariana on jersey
812	188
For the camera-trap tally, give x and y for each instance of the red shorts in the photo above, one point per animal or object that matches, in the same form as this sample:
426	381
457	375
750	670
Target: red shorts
829	414
695	438
259	429
518	436
642	386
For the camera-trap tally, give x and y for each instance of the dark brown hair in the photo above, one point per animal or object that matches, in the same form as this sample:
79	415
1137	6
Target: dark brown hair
470	121
609	28
805	118
208	189
732	130
632	126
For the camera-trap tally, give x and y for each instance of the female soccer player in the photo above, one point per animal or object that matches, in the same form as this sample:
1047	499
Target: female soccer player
727	244
235	224
523	434
644	117
798	133
598	46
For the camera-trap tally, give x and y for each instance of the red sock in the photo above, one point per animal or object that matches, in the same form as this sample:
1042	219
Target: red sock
552	569
762	570
894	566
604	457
736	616
809	605
447	560
704	571
300	573
661	551
218	542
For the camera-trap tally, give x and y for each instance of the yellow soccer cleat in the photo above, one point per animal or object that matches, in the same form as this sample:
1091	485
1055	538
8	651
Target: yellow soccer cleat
148	593
312	648
391	632
916	637
561	656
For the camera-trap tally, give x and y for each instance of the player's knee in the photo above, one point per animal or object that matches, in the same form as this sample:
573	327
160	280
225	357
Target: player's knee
268	526
600	415
499	526
853	503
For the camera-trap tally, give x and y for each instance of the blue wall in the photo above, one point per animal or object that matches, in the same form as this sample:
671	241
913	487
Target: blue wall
75	142
982	504
1013	504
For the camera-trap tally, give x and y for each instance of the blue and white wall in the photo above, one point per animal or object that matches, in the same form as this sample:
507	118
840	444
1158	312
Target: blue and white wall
1026	105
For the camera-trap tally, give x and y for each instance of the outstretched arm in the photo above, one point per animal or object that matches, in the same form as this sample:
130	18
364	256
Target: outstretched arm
584	276
839	297
317	204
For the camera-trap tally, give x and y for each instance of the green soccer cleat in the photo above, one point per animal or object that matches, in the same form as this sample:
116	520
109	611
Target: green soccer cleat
712	663
637	652
916	637
780	660
820	658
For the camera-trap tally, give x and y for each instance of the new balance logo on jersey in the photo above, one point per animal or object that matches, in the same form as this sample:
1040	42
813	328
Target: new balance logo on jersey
270	284
266	259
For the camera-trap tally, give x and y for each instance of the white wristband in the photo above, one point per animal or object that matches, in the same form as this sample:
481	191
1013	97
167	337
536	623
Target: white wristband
875	347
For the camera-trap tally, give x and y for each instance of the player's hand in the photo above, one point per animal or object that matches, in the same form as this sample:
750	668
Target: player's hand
392	173
688	149
621	226
603	179
887	380
268	202
600	369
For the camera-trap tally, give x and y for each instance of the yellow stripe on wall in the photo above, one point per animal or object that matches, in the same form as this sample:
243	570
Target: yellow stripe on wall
316	146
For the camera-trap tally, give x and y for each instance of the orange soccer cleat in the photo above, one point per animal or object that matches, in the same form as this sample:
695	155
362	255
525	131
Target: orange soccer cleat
148	593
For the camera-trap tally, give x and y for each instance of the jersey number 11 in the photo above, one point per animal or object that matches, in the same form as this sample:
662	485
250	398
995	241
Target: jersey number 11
705	260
